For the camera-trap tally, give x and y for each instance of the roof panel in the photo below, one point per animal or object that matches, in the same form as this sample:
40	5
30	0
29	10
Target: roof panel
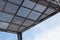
23	12
18	20
34	15
43	16
21	29
28	23
5	17
49	11
2	3
13	27
28	3
40	8
3	25
11	8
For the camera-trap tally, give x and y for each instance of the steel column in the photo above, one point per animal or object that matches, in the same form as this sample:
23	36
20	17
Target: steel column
19	36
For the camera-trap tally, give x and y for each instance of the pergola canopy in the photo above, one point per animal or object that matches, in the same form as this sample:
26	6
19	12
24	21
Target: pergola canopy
20	15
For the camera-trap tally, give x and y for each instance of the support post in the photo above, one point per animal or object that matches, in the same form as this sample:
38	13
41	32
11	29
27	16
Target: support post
19	36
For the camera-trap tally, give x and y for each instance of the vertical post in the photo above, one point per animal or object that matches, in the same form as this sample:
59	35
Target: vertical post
19	36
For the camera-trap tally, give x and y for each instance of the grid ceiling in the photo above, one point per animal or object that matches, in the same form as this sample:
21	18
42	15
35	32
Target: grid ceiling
20	15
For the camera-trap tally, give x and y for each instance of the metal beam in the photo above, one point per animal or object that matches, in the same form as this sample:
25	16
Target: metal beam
10	31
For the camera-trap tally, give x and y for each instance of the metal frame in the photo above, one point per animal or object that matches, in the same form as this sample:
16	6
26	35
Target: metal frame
19	34
36	21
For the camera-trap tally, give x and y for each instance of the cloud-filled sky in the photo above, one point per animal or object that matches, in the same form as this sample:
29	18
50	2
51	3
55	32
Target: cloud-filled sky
47	30
49	35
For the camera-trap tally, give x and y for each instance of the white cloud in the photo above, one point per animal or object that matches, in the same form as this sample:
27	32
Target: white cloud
53	34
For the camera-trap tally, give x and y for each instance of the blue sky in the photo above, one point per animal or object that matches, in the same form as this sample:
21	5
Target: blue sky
47	30
7	36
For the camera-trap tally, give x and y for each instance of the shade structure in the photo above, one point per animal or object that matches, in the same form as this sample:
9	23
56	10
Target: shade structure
21	15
